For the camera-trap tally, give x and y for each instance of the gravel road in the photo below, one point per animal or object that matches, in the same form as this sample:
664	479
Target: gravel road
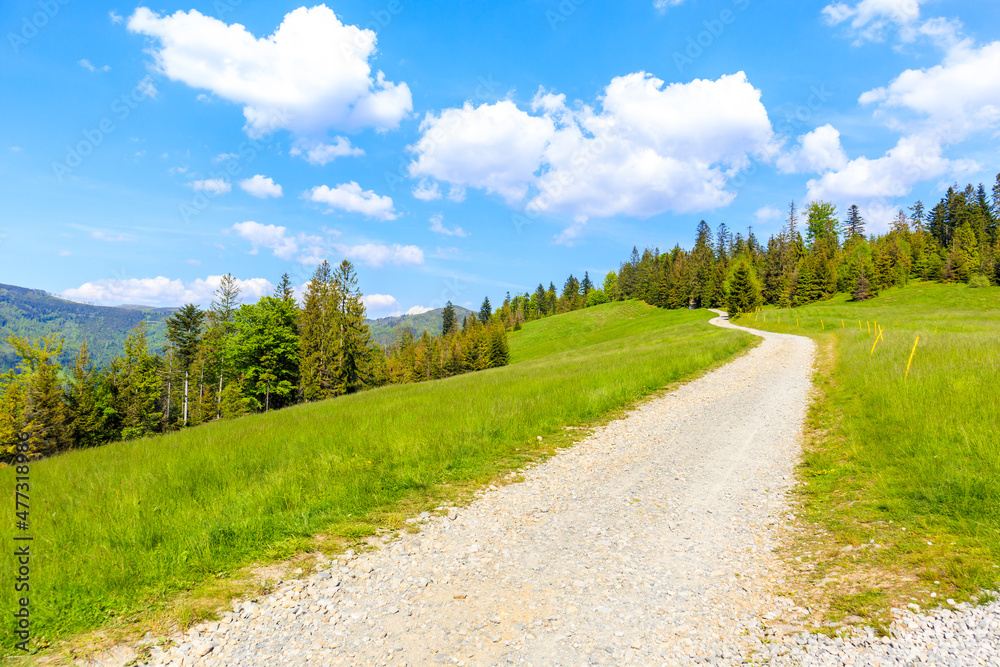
649	543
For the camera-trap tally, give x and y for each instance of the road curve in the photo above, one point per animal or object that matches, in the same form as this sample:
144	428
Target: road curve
650	542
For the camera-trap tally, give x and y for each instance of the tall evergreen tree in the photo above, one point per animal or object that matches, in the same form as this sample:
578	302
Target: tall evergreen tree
319	335
586	285
744	290
354	360
486	309
43	417
449	323
87	409
184	332
220	329
854	226
134	376
284	290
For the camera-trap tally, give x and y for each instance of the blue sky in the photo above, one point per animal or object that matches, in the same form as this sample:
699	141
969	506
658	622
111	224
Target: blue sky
454	150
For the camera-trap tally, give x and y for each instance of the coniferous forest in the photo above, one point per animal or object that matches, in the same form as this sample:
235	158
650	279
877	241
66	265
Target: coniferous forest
234	359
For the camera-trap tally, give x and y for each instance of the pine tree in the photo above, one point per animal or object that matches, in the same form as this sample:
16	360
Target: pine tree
88	414
284	290
862	285
354	358
807	288
744	291
586	285
449	323
486	310
134	376
44	417
184	332
319	335
220	329
854	226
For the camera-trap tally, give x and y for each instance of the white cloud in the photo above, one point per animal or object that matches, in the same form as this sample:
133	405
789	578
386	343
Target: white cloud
379	301
914	158
304	248
663	5
310	75
161	291
377	254
115	17
321	154
261	187
349	197
418	310
213	186
767	214
568	236
222	157
427	191
951	100
934	108
817	151
870	18
649	149
437	226
87	65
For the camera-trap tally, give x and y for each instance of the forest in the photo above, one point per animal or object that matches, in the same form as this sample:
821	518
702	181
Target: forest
234	359
229	360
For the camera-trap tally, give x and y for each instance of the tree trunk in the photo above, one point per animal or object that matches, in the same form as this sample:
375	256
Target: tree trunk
185	397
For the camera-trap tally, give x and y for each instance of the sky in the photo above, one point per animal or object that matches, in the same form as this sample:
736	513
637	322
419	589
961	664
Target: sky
455	149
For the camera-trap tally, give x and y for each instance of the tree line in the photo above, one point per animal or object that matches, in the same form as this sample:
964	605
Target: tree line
226	361
816	255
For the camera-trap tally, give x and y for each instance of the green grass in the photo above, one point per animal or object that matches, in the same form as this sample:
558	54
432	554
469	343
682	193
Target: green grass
122	530
911	463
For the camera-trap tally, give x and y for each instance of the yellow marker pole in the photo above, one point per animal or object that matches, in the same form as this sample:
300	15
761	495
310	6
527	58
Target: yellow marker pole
877	339
842	325
911	357
869	326
797	322
822	325
860	328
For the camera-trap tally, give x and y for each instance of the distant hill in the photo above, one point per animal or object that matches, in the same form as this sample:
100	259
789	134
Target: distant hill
385	330
35	313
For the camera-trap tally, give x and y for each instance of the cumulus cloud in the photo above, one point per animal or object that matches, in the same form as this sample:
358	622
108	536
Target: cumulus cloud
816	152
427	191
933	108
648	149
379	301
213	186
350	197
261	187
377	255
161	291
418	310
304	248
321	154
437	226
312	74
952	99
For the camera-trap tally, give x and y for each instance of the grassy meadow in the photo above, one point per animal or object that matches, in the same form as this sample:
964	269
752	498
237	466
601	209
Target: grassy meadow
123	530
909	463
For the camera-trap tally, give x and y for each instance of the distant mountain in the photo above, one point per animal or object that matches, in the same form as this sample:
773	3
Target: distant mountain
35	313
387	329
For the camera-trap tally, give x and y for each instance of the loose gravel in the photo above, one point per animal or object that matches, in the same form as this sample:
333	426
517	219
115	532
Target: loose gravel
650	542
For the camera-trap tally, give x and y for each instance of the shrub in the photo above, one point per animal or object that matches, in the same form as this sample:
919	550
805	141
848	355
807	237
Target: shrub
979	281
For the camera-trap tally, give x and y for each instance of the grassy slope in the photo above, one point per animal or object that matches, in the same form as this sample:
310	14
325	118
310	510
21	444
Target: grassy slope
911	463
123	528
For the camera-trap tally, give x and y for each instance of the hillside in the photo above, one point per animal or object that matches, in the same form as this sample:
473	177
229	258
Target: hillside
34	313
386	330
131	526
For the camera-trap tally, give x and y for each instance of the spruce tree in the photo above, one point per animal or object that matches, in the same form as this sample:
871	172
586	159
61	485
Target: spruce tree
134	376
220	329
319	335
854	226
449	323
744	291
184	332
87	427
807	288
44	416
486	310
586	285
354	359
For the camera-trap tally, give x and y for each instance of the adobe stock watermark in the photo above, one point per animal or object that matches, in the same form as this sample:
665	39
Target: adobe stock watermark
35	23
562	12
485	92
93	137
231	166
793	122
713	30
